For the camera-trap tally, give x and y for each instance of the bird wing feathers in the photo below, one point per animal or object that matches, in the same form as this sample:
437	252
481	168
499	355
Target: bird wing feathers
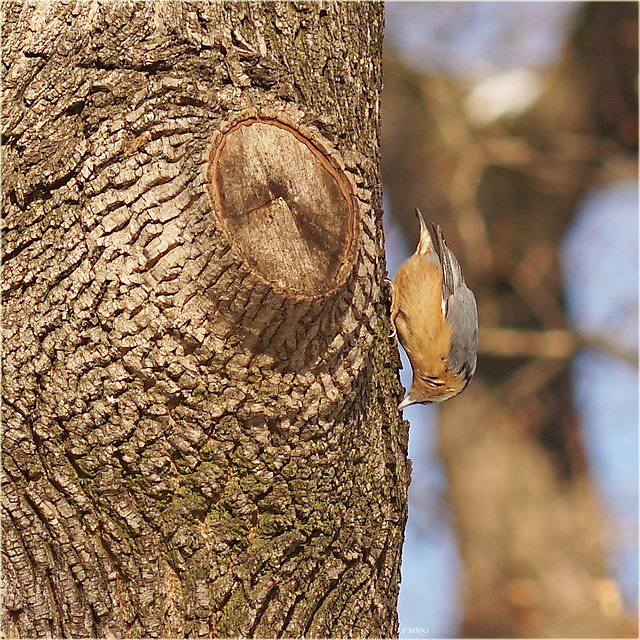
459	306
452	273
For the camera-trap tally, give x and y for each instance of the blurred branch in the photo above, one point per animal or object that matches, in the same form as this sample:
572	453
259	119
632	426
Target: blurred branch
551	344
524	384
517	343
527	280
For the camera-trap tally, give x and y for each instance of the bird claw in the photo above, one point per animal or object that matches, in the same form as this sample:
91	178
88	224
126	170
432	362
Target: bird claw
394	333
389	282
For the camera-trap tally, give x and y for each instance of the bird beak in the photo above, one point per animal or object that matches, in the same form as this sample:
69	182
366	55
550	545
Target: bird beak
405	403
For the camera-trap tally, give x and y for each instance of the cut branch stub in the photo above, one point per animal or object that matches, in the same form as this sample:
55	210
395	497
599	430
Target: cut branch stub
285	203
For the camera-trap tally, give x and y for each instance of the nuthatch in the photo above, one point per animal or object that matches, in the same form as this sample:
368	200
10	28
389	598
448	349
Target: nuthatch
436	319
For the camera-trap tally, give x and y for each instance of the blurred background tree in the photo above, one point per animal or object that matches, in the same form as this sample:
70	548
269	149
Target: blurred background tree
514	126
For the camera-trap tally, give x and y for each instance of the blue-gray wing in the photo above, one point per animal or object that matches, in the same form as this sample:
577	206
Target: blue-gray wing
462	316
460	309
451	271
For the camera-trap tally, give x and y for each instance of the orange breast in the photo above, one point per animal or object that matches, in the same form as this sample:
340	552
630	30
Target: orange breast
421	326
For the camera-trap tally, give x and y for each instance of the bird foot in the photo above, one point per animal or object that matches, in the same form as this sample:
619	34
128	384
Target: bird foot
389	282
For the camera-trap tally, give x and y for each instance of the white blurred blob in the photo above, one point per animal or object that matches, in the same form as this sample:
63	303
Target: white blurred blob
507	94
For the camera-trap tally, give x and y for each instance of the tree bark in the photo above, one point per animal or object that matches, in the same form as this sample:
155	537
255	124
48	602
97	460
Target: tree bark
200	425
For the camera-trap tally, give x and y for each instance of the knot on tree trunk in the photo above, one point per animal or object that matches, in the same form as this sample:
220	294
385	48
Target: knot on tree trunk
291	224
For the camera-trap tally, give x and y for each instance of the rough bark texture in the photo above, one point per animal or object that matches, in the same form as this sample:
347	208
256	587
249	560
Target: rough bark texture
189	448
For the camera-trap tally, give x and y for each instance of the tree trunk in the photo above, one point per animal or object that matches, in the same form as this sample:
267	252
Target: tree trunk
200	425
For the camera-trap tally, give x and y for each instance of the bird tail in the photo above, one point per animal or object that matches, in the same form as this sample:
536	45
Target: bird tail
452	272
425	244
